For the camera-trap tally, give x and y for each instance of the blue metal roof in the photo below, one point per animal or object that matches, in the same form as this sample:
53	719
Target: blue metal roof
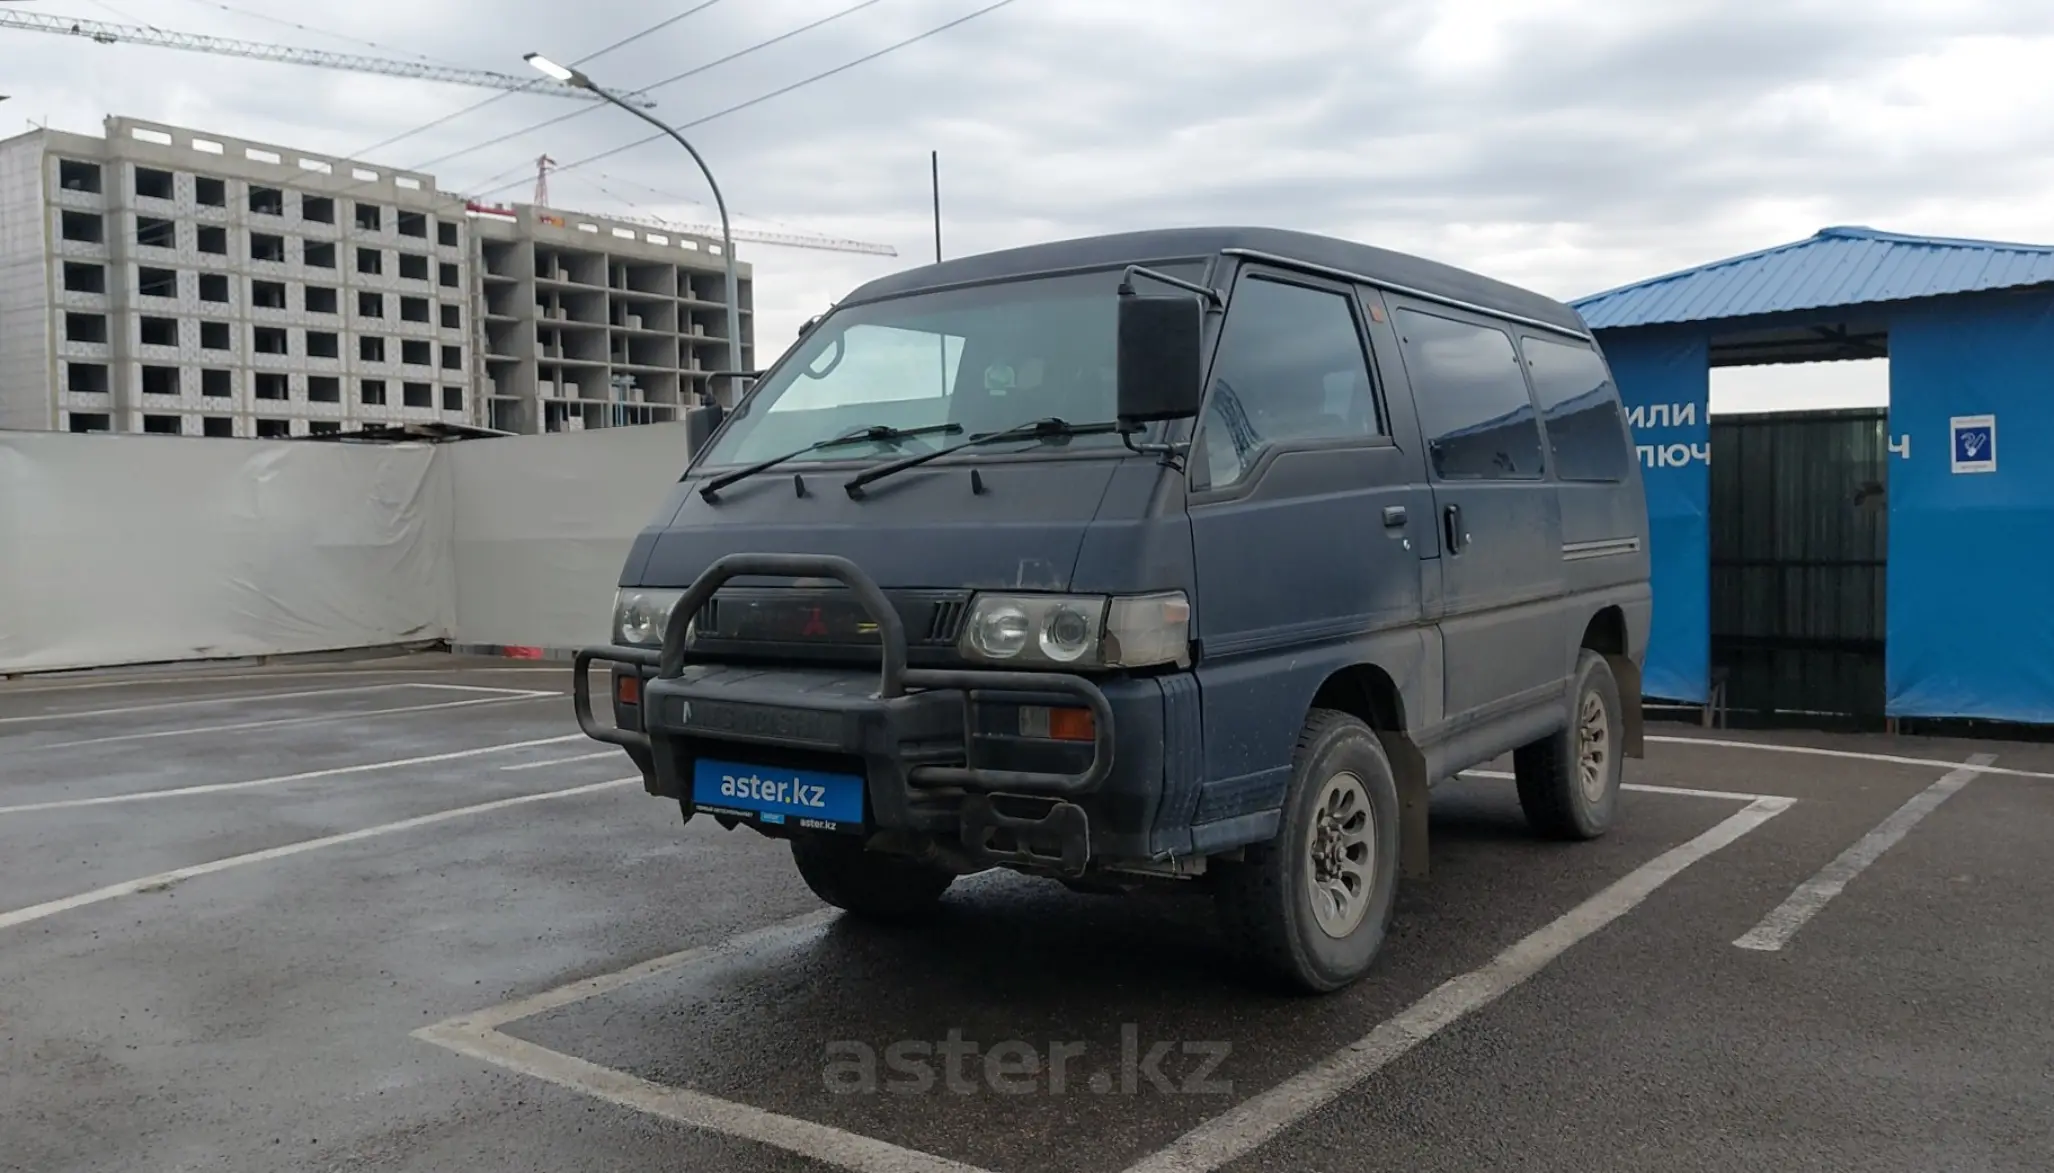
1837	267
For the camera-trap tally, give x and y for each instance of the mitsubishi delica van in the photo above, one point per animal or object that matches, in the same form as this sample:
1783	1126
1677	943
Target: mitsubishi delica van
1191	557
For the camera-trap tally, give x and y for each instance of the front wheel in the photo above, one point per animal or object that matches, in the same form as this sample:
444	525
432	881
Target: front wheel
1311	907
868	884
1569	782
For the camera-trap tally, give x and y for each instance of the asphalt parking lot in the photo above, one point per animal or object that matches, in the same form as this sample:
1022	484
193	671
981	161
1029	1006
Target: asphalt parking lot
398	915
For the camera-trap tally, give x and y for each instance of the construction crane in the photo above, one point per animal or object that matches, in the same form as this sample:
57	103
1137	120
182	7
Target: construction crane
102	33
833	244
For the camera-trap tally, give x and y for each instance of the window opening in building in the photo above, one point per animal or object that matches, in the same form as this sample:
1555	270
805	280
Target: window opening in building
323	344
319	254
154	184
211	239
160	380
90	421
210	193
265	246
324	389
85	327
152	232
417	395
154	331
317	209
162	425
216	336
370	260
152	282
372	392
217	384
321	299
267	295
452	399
84	277
267	201
367	217
270	340
81	227
273	429
78	175
271	385
220	427
214	287
86	378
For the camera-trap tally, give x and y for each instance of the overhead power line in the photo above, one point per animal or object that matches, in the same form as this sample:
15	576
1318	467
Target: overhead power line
674	78
535	83
776	93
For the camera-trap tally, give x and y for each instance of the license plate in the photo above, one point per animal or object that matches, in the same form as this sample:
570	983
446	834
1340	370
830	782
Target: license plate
778	796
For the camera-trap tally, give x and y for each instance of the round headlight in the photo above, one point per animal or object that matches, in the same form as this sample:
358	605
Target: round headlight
1001	632
1066	634
641	620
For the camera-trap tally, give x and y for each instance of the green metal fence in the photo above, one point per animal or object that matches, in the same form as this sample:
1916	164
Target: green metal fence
1799	533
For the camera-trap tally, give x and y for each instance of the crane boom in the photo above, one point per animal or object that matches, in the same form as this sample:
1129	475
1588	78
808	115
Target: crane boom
832	244
103	33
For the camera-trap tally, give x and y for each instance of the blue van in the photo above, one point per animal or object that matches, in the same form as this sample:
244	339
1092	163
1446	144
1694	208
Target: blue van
1191	557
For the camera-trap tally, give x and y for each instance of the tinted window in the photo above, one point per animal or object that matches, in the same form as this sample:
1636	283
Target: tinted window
1290	367
1576	399
1473	406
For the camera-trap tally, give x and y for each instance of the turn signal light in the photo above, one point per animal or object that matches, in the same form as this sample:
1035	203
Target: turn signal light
628	690
1057	724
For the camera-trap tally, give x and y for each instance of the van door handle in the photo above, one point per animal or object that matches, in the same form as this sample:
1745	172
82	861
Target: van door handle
1451	524
1394	516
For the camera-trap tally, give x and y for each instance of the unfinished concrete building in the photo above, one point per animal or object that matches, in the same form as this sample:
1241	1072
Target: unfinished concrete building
592	322
160	279
165	280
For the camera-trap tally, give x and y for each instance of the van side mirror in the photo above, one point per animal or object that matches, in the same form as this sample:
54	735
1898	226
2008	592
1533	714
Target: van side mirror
1160	358
700	423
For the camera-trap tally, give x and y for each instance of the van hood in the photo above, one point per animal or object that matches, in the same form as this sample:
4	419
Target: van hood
923	528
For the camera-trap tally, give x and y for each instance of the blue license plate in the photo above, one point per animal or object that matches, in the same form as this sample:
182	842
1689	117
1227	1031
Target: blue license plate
775	795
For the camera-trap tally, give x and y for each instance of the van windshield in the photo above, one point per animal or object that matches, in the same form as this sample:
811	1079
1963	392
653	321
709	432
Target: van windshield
984	358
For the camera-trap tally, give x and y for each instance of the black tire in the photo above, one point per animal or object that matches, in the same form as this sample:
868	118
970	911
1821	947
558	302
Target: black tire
869	884
1266	902
1550	771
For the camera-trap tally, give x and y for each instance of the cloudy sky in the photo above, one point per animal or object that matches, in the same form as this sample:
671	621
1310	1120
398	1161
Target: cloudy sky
1568	145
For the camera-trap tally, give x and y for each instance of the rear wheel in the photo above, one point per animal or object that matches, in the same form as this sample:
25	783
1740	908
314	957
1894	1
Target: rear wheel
868	884
1569	783
1310	908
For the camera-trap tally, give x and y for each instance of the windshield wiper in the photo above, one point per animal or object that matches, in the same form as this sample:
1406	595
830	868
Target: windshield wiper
875	433
1053	427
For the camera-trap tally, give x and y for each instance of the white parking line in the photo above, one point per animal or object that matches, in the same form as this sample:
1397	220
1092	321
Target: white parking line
278	722
280	779
1251	1124
1814	751
1645	788
254	697
1205	1148
191	676
583	757
161	880
1782	923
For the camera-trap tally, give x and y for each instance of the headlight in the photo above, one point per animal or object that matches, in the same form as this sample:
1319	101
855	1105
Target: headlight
1083	631
640	614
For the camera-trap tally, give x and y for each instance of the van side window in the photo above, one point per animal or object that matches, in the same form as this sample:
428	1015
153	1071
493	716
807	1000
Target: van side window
1473	406
1585	431
1290	367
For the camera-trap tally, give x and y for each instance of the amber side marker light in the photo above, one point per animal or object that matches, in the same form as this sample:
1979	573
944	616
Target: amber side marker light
1057	724
628	690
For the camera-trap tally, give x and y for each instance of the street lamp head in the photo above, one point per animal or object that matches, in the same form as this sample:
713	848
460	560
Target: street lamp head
562	73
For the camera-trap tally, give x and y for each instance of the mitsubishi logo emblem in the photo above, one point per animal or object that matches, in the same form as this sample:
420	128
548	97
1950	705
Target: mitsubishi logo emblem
815	625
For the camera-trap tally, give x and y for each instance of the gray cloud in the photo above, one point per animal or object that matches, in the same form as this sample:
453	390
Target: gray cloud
1567	145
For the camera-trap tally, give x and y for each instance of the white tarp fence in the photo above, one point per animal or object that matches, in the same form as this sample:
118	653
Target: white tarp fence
127	549
543	524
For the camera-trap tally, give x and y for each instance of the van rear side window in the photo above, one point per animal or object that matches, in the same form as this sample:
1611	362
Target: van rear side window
1585	431
1473	406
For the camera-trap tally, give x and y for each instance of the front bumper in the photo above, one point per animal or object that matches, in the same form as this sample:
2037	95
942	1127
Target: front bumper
941	761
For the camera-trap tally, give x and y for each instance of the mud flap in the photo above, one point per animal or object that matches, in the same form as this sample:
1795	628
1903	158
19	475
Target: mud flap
1409	766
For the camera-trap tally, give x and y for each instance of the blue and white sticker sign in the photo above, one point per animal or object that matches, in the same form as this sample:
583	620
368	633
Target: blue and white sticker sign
1975	443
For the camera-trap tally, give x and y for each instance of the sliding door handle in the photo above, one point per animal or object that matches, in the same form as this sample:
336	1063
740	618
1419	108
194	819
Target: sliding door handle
1451	528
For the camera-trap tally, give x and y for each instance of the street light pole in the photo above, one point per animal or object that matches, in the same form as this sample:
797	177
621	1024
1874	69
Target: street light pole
573	77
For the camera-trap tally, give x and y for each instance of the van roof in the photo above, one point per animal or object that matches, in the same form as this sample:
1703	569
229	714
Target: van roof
1376	265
